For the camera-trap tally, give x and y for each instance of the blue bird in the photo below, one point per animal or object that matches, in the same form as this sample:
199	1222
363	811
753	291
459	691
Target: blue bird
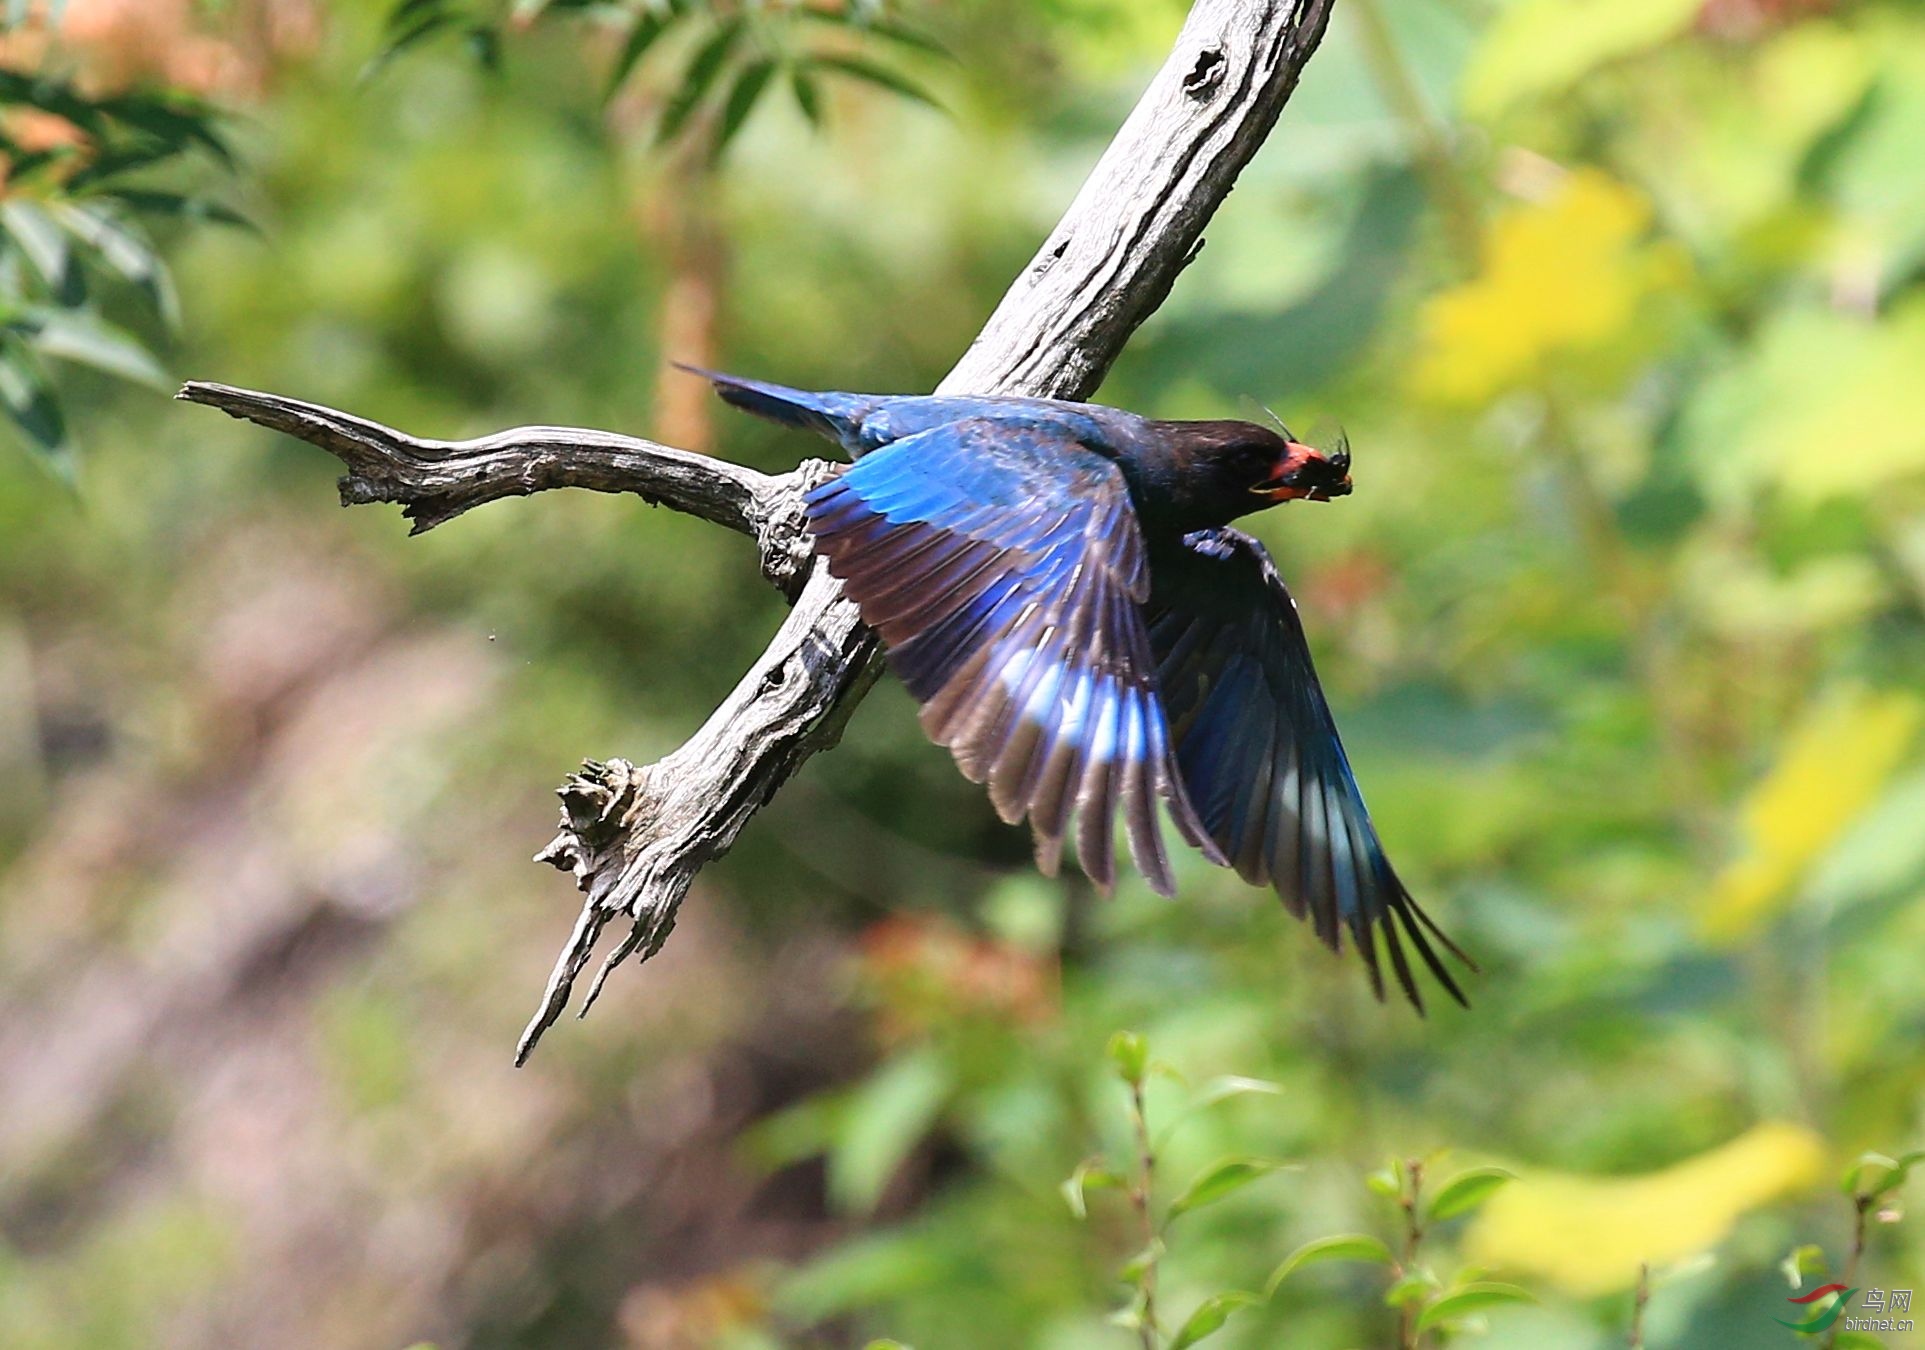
1057	585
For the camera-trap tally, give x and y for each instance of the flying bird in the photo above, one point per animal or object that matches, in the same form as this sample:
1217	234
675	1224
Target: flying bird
1058	586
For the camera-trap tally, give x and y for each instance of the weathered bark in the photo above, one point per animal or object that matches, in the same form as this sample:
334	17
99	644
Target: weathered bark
635	836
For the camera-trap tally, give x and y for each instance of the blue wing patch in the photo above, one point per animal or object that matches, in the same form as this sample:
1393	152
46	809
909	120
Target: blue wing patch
1003	567
1259	754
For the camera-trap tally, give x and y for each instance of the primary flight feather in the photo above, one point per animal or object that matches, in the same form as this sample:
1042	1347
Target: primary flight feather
1058	586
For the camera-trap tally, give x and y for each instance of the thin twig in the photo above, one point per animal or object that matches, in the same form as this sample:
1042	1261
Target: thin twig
1140	1199
1861	1205
1410	1200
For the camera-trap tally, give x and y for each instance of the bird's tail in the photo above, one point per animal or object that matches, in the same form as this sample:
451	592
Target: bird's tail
836	416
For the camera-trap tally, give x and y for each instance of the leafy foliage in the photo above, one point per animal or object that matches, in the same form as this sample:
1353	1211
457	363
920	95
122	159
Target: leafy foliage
75	212
723	57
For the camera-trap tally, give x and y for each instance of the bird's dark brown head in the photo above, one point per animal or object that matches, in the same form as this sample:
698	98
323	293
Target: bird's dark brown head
1228	469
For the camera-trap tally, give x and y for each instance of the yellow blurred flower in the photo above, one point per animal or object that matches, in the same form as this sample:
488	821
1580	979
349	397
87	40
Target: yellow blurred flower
1570	275
1830	770
1587	1235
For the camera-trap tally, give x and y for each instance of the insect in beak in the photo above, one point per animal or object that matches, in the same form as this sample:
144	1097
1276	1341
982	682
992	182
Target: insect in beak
1307	474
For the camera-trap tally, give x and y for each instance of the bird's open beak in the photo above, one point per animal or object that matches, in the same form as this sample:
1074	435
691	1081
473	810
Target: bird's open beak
1304	473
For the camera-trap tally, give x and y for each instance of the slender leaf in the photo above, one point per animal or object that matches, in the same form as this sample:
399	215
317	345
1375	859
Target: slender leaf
648	27
1220	1180
41	240
1139	1265
123	249
808	95
1467	1190
1214	1092
1895	1172
892	29
1472	1298
1412	1288
408	25
748	87
1210	1316
170	118
1090	1174
53	96
1342	1247
135	155
886	1118
88	340
698	77
29	401
156	203
871	73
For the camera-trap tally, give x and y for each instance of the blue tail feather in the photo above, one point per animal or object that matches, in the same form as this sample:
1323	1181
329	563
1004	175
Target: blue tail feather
836	416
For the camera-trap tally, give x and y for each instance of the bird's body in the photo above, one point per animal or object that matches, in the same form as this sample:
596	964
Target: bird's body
1056	584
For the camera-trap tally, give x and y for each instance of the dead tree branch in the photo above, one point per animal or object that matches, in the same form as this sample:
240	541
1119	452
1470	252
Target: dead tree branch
635	836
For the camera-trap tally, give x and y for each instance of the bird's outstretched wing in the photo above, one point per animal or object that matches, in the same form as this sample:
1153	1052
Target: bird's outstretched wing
1004	568
1260	758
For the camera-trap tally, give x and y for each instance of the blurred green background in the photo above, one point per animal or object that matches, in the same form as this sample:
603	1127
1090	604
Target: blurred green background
1623	308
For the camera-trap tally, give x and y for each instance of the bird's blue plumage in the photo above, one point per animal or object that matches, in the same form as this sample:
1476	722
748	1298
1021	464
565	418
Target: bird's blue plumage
1056	585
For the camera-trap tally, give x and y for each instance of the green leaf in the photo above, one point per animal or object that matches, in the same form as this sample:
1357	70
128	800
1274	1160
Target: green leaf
408	24
896	31
1221	1179
1857	1340
180	205
1212	1093
1210	1316
1467	1190
91	341
29	400
1137	1266
1412	1288
1384	1182
1342	1247
1801	1263
697	77
124	159
648	27
1232	1085
1090	1174
886	1118
1472	1298
44	244
892	29
122	249
869	72
748	87
171	117
808	95
1129	1052
1875	1174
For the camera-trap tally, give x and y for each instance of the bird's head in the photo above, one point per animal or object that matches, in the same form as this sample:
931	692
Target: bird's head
1229	469
1301	472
